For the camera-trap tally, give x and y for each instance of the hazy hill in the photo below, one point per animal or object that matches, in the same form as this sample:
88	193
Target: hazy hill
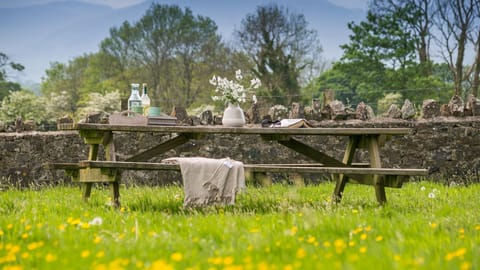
60	31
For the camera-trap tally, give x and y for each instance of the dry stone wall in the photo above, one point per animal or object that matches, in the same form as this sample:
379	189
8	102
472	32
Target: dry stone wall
449	147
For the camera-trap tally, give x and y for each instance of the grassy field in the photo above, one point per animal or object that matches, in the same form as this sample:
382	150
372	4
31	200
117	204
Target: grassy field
424	226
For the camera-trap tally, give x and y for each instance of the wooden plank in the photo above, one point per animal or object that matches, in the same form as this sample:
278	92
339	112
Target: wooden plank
244	130
375	162
255	167
161	148
341	179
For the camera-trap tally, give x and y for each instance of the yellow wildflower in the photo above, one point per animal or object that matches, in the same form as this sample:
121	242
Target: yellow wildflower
301	253
363	249
100	254
160	265
228	260
50	257
85	254
177	256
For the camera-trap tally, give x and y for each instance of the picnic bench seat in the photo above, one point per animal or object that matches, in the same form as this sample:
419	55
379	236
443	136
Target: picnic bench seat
104	171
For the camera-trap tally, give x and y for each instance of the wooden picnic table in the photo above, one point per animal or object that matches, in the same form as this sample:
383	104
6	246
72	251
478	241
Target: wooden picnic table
109	170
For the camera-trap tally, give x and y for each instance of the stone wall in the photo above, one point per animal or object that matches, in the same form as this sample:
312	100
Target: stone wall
449	147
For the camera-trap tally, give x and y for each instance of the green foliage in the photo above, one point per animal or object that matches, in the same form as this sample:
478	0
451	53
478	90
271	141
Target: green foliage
172	50
109	103
7	86
282	47
24	104
276	227
389	99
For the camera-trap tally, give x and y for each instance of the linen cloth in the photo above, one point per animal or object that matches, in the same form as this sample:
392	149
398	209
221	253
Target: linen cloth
208	181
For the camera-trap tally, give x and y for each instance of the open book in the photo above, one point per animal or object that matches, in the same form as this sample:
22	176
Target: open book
292	123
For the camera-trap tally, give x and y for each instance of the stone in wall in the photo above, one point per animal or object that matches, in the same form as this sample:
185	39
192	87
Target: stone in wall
430	109
361	111
253	114
394	112
472	108
326	112
408	110
206	118
338	110
182	116
297	111
444	111
278	112
456	106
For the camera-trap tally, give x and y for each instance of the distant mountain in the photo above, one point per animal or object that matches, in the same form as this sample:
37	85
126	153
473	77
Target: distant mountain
60	31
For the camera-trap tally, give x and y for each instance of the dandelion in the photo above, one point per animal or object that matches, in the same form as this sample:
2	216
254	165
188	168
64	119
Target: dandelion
85	254
100	254
363	249
477	228
50	257
301	253
431	195
215	260
177	256
160	265
465	266
12	267
379	238
363	236
228	260
96	221
433	225
311	240
422	188
340	245
97	239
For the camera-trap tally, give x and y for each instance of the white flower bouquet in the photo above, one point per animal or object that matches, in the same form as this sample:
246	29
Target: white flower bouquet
232	91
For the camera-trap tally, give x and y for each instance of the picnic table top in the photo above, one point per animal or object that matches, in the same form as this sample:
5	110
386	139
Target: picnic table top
244	130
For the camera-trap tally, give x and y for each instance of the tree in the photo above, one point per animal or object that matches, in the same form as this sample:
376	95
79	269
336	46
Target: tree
455	22
281	46
7	86
417	17
24	104
476	40
166	49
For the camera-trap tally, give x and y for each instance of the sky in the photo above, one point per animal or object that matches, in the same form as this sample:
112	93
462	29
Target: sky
37	60
354	4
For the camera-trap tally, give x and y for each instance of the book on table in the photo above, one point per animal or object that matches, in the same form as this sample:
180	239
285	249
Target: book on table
162	120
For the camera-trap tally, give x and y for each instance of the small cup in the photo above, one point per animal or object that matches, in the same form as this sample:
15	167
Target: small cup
154	111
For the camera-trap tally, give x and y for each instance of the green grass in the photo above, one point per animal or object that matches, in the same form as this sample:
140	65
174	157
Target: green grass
276	227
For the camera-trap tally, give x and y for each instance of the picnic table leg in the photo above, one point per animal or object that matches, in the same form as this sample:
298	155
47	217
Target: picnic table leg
374	151
341	179
92	155
111	156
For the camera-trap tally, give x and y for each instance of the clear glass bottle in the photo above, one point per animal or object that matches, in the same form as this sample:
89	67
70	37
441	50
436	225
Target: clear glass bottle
145	99
134	100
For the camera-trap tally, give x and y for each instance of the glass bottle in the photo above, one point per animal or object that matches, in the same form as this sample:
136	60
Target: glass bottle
134	101
145	99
